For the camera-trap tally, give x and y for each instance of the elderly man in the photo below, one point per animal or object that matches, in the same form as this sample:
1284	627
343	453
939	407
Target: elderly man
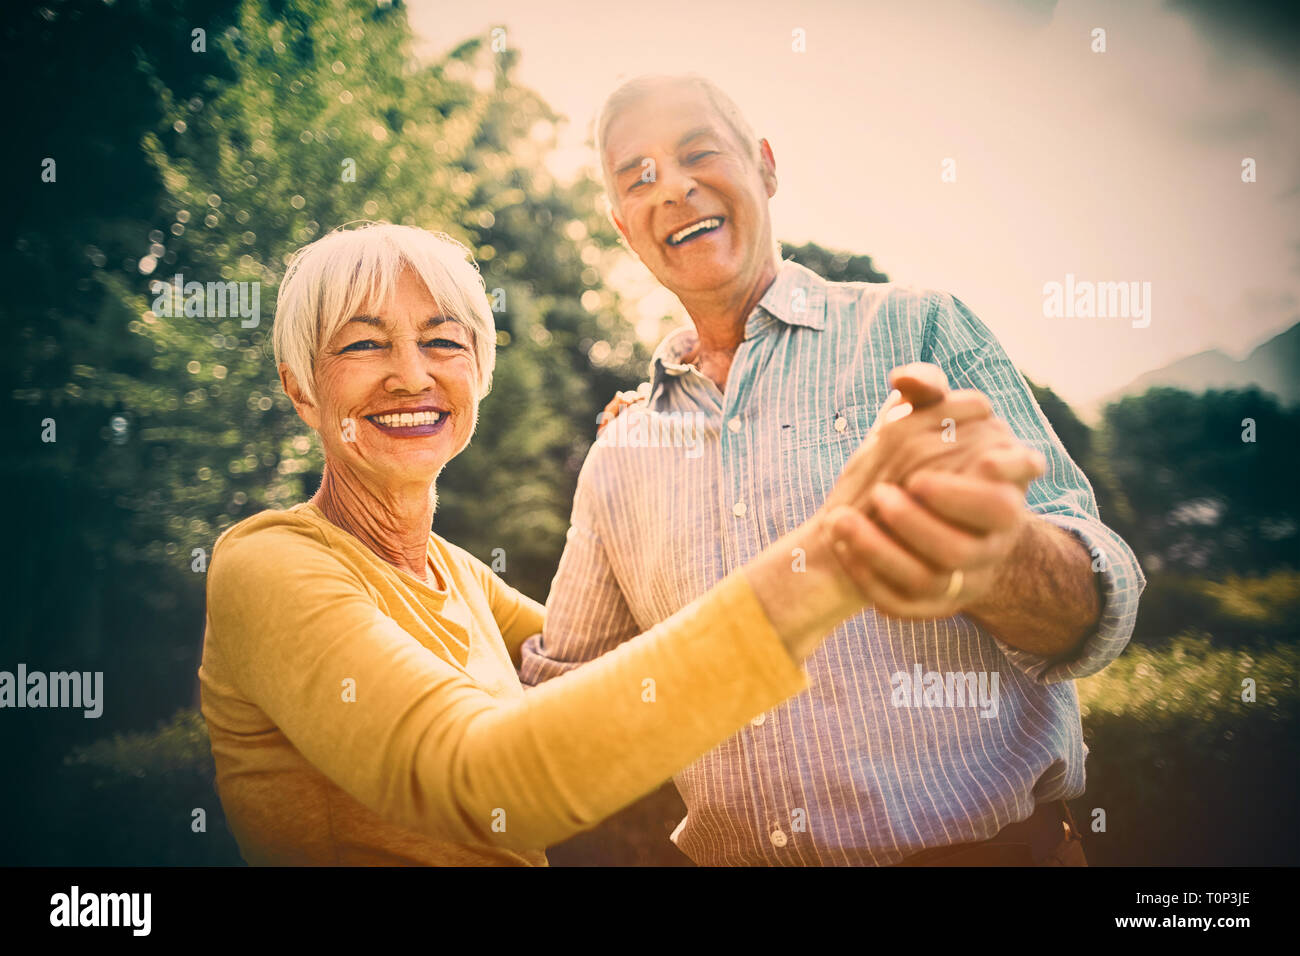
940	726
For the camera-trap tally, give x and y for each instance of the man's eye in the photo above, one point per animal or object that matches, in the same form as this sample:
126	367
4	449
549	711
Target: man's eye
696	157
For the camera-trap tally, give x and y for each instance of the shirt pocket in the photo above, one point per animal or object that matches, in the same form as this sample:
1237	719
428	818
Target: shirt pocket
814	451
848	425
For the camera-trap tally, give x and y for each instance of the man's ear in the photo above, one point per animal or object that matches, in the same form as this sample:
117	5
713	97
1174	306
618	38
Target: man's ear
618	223
767	167
305	409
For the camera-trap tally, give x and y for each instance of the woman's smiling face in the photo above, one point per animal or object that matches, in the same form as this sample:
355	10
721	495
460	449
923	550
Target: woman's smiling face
396	389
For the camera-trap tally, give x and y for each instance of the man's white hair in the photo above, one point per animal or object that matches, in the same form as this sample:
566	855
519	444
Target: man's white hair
329	281
640	87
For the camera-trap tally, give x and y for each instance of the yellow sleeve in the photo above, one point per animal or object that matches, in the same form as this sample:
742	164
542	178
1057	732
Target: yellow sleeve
518	616
423	746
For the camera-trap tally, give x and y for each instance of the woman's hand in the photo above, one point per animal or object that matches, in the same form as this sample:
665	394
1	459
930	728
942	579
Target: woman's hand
620	401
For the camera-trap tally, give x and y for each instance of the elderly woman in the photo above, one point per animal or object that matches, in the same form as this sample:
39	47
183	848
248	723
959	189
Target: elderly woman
358	674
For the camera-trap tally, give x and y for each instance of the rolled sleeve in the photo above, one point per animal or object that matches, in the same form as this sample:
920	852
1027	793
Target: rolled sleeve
1121	582
971	357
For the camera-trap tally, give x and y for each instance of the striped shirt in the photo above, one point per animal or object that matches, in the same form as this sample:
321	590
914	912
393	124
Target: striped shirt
914	733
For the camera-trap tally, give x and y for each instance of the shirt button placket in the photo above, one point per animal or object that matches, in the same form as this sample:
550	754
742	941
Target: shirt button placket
739	508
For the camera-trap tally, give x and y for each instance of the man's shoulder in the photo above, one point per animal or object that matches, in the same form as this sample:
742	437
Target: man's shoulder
898	300
621	432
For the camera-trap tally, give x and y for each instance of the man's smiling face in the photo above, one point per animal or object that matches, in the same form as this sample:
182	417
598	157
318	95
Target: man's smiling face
688	198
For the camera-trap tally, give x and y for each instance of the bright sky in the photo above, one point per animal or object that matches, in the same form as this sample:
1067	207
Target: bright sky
1115	166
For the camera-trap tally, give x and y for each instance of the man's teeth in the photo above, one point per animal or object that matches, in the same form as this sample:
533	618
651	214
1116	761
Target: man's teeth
408	419
683	235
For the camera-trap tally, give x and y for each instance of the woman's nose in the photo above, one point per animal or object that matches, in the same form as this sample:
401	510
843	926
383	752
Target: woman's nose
409	367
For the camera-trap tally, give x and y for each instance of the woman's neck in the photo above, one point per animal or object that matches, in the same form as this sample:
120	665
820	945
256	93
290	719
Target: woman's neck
394	524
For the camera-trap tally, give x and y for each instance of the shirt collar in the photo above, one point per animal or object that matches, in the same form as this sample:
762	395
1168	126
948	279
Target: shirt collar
797	296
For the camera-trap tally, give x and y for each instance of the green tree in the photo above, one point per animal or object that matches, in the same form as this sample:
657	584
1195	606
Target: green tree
833	264
294	117
1211	477
1080	444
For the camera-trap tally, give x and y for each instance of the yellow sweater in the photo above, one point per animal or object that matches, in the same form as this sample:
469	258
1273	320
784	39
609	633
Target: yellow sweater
359	716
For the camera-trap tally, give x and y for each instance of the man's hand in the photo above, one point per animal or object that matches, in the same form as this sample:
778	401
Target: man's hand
941	541
934	499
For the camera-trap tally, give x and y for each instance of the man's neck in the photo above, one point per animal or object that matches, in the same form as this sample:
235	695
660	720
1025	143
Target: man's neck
719	316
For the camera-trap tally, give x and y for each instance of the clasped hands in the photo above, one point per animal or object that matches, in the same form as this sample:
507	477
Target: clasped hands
926	516
928	512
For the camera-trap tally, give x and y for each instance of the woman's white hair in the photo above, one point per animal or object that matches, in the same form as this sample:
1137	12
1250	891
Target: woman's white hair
329	281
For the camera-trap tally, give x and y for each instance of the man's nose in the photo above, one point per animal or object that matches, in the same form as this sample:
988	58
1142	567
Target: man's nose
675	184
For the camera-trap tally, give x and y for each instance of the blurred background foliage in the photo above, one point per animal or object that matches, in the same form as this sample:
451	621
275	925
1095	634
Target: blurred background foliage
216	165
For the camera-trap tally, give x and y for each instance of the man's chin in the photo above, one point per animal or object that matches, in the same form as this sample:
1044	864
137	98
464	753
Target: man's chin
699	276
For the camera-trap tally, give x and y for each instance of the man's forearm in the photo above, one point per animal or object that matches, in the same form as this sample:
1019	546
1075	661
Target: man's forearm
1046	600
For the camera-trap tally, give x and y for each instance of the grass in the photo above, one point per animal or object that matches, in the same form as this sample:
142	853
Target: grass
1184	769
1187	772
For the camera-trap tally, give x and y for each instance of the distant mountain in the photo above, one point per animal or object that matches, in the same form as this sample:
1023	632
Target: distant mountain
1273	366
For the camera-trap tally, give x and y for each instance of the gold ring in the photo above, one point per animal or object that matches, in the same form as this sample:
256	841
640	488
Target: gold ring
954	585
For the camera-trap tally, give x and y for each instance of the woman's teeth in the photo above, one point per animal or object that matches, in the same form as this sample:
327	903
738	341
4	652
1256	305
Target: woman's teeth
408	419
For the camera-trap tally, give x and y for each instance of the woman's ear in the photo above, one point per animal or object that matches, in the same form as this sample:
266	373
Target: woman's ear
301	404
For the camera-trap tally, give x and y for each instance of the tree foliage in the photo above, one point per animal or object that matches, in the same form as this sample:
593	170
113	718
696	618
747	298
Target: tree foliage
1211	478
289	119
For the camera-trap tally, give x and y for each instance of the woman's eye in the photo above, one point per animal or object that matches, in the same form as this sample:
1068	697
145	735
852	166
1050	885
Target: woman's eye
444	343
362	346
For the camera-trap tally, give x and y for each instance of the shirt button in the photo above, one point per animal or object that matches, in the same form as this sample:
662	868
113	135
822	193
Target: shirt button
738	509
841	423
734	424
760	720
777	838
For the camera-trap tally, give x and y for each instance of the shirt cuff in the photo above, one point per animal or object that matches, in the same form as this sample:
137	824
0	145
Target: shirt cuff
1122	582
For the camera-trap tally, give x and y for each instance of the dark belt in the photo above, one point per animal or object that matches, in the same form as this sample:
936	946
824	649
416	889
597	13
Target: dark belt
1026	843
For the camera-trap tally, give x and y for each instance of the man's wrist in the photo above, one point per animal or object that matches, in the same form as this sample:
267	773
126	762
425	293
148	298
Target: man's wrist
1040	601
1019	555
